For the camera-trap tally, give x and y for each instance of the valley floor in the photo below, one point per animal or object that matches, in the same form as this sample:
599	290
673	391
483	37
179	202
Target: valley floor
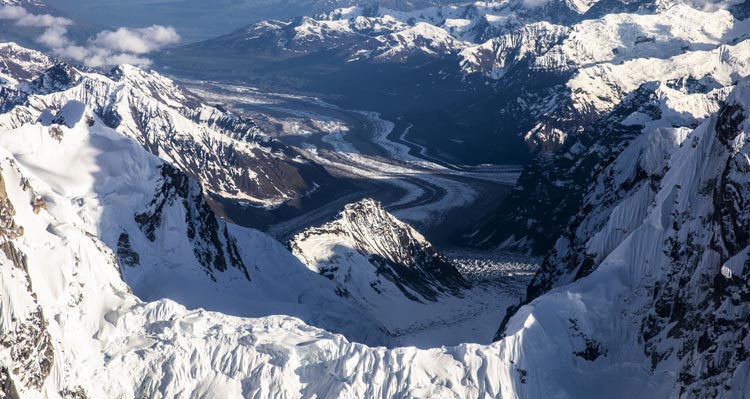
440	199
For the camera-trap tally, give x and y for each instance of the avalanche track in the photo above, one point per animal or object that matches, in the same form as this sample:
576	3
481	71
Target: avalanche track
429	193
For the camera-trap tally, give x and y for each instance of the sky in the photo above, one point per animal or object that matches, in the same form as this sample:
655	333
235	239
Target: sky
127	32
194	20
105	48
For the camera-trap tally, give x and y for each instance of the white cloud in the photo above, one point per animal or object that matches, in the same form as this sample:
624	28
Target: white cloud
98	57
54	37
137	41
43	21
24	18
12	12
122	46
72	52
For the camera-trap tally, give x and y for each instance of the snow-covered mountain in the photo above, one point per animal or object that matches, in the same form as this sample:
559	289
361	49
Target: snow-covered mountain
553	188
391	257
675	78
673	277
672	237
233	159
387	268
151	215
20	64
90	217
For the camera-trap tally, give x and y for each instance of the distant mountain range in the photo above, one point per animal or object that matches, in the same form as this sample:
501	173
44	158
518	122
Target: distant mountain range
217	16
497	74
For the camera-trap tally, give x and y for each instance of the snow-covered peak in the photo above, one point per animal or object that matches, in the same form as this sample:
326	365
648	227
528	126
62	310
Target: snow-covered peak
602	60
659	240
169	121
370	253
384	34
616	38
155	85
421	39
602	86
384	266
496	56
19	64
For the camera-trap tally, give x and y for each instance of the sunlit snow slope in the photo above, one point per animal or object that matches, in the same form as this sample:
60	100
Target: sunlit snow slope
232	158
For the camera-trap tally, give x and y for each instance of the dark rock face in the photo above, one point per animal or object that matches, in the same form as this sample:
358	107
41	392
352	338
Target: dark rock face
29	341
591	349
125	253
74	393
59	77
31	351
700	310
551	190
741	10
7	387
214	248
728	123
692	85
10	98
560	192
732	199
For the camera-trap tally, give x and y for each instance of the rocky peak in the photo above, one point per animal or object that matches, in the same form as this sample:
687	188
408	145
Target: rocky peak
60	76
19	64
215	146
394	253
213	246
